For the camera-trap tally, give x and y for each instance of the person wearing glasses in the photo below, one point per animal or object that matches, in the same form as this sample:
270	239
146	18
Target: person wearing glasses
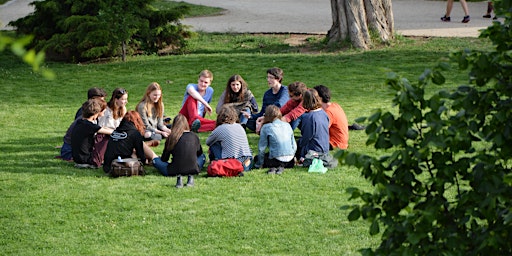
277	95
151	110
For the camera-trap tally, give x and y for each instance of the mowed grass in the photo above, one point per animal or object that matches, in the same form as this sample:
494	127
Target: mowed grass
51	208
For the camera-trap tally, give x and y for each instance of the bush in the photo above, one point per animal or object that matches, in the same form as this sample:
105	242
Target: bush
85	30
443	185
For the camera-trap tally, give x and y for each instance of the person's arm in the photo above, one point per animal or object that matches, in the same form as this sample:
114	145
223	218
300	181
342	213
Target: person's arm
294	112
191	90
262	146
254	104
282	97
104	130
221	102
144	117
212	138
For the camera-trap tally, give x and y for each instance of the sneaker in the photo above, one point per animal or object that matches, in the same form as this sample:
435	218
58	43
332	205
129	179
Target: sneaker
85	166
445	19
272	171
466	19
195	125
280	170
495	18
356	126
487	16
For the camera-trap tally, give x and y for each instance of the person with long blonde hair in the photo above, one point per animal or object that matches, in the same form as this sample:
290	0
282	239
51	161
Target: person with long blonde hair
186	151
151	110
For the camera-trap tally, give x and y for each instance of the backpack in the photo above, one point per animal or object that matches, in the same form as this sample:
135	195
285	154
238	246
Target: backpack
228	167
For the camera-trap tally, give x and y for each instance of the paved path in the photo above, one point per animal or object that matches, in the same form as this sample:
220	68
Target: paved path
412	17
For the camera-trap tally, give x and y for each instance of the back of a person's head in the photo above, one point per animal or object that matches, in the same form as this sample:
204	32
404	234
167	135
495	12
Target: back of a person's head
276	72
93	106
297	88
272	112
324	93
227	115
96	92
311	100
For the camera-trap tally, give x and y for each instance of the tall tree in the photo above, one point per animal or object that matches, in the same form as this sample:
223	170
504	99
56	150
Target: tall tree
357	20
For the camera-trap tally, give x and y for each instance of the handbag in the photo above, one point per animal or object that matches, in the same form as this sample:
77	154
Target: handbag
228	167
126	167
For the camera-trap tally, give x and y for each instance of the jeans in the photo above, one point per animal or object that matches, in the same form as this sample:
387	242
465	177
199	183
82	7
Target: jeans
161	166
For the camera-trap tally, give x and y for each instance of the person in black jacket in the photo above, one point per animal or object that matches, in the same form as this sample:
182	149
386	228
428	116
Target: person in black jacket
127	141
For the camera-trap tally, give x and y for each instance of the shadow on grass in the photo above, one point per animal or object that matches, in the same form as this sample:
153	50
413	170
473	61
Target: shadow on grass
37	156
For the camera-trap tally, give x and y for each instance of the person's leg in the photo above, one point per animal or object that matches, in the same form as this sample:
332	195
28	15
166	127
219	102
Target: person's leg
100	146
215	151
251	124
449	6
189	110
200	161
464	7
161	166
190	181
179	182
66	152
243	119
148	152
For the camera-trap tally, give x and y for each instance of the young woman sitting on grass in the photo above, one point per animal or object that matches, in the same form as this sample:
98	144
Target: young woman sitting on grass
277	136
186	151
151	110
238	96
127	141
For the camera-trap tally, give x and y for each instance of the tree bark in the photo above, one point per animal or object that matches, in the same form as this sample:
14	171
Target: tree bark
352	20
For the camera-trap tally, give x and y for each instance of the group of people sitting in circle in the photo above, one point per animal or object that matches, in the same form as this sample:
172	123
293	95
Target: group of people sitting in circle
104	131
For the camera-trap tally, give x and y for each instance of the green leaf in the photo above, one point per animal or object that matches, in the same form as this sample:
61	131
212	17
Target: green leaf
354	214
374	228
438	78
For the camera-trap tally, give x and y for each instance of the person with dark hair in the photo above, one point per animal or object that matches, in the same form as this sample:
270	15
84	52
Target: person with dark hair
116	109
314	128
238	96
186	151
65	150
293	110
277	136
338	124
151	110
229	139
82	137
93	92
126	141
277	95
196	103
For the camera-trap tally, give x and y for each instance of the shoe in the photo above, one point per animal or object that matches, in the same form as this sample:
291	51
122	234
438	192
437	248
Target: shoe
356	126
272	171
466	19
195	125
179	183
85	166
190	181
445	19
280	170
495	18
487	16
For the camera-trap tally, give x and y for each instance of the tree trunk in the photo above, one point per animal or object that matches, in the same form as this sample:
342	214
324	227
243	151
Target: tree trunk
352	20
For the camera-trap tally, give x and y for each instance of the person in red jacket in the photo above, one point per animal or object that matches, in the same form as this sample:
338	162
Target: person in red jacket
293	109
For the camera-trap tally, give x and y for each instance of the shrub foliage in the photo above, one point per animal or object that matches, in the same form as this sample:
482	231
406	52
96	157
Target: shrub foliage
91	29
443	184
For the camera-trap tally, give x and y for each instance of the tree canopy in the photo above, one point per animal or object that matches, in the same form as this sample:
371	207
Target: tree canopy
85	30
443	184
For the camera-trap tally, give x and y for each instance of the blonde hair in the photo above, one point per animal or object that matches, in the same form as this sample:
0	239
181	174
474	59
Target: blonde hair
159	106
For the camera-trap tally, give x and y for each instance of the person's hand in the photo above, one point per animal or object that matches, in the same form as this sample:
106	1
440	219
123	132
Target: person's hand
246	114
165	134
208	108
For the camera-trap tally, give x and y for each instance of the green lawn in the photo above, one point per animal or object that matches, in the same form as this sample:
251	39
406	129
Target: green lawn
50	208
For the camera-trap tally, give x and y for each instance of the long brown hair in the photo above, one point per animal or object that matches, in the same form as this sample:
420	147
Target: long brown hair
179	126
134	117
232	96
117	111
272	112
159	106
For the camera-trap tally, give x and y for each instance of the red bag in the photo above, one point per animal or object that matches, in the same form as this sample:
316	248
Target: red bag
225	168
